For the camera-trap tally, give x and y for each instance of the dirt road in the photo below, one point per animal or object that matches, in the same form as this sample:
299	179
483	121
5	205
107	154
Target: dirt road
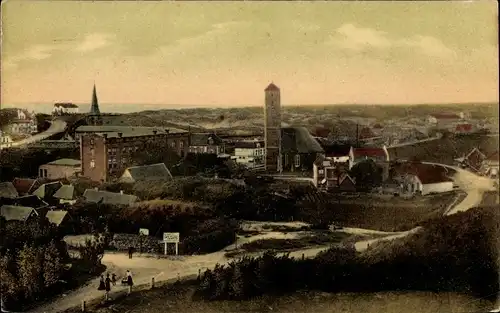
57	126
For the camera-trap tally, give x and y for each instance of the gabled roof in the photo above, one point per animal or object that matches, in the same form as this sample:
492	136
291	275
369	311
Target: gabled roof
149	172
16	213
92	195
203	139
345	176
47	190
475	150
7	190
66	192
66	162
56	216
27	201
298	139
368	152
272	87
25	185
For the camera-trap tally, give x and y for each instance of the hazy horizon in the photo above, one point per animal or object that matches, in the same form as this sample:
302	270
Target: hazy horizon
223	54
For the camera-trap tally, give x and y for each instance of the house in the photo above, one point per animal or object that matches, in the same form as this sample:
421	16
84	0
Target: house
7	190
46	191
419	178
66	194
445	120
473	160
106	151
379	155
26	186
328	167
107	197
346	183
299	149
5	140
490	166
57	217
250	153
58	169
17	213
146	172
64	108
206	143
24	123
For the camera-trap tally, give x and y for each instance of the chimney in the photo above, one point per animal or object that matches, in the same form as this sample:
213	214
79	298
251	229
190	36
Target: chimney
154	132
121	192
120	135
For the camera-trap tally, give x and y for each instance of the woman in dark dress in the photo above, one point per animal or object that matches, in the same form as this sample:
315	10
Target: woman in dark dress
101	284
113	279
130	282
107	285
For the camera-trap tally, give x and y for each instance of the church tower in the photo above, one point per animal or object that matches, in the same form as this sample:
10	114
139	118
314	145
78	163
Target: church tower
272	128
94	116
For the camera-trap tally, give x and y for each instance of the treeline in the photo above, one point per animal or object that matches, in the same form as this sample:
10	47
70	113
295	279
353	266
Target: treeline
458	253
35	264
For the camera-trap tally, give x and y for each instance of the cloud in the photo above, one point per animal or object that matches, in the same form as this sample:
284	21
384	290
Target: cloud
33	53
354	38
93	42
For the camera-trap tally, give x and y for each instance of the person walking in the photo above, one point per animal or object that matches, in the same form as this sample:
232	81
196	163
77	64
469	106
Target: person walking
101	284
130	282
113	279
107	286
130	251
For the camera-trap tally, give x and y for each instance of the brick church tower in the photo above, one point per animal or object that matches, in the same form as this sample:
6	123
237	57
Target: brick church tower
272	128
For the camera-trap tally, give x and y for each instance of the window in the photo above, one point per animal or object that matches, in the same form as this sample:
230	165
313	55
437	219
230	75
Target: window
41	173
92	164
181	144
172	144
205	149
92	152
297	160
321	172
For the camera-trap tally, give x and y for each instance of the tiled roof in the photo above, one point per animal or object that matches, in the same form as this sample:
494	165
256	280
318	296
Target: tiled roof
369	152
66	162
298	139
272	87
47	190
25	185
7	190
464	127
202	139
66	192
56	216
16	213
428	174
92	195
149	172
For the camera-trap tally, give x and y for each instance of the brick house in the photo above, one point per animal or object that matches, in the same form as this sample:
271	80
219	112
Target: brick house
379	155
464	129
299	149
207	143
58	169
106	151
250	153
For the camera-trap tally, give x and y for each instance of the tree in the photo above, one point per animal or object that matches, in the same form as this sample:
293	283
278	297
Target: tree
53	268
367	174
92	251
31	270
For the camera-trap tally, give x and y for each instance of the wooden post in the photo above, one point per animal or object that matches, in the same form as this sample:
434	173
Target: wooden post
165	248
199	273
176	248
152	282
83	305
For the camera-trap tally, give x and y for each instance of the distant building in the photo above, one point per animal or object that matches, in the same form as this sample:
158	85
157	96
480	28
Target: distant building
66	194
250	153
464	129
5	140
64	108
106	151
445	120
328	172
47	191
490	166
298	149
94	116
26	186
146	173
206	143
24	124
272	128
17	213
379	155
62	168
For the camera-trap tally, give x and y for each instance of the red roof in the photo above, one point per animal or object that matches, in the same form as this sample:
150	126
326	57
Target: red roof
445	116
272	87
369	152
428	174
464	127
23	185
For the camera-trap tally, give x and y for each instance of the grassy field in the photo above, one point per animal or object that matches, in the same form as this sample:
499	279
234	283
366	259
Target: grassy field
179	300
395	214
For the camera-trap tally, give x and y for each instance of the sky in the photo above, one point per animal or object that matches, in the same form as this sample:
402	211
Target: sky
174	54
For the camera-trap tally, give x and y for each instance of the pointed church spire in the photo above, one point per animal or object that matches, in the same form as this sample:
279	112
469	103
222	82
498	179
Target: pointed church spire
94	108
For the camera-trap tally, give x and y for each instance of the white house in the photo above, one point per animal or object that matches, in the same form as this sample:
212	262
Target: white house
64	108
5	140
23	124
249	153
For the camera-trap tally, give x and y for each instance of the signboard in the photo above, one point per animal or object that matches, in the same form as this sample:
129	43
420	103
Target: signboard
144	231
171	237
